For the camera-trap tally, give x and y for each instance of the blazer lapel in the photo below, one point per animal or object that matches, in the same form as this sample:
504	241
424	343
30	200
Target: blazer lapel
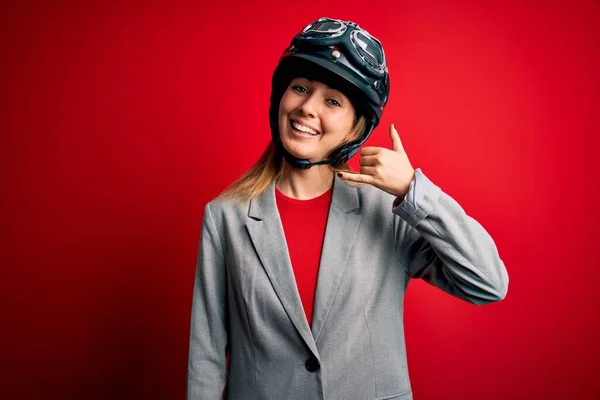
342	224
268	238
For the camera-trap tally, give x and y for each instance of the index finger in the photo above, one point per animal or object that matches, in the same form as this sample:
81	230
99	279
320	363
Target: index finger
370	151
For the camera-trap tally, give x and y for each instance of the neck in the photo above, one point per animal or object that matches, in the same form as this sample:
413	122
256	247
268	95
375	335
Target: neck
305	184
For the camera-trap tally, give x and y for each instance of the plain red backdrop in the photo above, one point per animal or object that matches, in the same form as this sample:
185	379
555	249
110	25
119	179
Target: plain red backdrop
119	121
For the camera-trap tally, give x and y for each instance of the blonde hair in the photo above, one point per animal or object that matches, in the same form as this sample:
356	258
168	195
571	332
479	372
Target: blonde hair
272	167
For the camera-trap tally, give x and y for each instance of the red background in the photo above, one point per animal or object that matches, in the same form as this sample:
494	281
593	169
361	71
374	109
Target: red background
119	122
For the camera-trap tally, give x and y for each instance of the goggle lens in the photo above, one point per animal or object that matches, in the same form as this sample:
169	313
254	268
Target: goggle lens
324	28
369	49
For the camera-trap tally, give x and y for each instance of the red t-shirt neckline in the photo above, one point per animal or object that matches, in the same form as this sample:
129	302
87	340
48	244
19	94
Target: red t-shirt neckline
324	196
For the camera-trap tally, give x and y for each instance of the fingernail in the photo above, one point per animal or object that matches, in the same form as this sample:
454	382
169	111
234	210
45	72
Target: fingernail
340	174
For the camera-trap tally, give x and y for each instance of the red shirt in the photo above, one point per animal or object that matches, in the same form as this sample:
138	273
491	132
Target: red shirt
304	223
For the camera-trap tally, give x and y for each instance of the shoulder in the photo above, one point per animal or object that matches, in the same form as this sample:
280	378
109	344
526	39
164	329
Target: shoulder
219	207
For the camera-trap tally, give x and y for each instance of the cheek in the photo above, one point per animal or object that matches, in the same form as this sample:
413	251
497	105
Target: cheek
286	103
282	112
341	123
350	121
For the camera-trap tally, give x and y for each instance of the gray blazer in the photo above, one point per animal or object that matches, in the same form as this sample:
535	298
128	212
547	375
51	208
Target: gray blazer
245	297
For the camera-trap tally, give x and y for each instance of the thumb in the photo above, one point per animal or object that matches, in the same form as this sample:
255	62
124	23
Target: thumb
396	142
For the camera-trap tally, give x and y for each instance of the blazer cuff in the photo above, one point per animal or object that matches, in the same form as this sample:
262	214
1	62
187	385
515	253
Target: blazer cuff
419	201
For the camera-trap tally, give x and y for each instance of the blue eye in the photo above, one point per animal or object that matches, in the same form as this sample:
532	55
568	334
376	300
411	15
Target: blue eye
334	102
299	89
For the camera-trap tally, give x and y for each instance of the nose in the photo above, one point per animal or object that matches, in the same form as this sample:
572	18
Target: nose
311	106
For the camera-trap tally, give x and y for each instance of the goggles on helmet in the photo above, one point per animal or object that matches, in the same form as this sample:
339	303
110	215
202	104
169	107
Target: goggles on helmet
355	42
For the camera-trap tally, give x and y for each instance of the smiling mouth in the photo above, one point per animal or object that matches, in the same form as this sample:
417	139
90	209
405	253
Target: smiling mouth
302	129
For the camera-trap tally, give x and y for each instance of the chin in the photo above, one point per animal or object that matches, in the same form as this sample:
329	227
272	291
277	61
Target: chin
297	151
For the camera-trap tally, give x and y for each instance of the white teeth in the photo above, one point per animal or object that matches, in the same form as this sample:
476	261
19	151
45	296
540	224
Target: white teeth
304	129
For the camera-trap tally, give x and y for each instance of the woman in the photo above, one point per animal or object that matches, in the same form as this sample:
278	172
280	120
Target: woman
303	264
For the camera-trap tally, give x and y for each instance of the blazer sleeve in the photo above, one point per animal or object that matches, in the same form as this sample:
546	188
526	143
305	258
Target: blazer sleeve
438	242
208	330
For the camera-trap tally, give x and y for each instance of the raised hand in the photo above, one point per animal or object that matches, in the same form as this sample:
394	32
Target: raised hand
388	170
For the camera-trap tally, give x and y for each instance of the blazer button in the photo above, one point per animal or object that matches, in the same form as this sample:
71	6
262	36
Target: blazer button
312	364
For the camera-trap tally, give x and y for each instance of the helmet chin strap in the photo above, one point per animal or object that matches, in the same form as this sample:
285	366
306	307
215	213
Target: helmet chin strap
300	163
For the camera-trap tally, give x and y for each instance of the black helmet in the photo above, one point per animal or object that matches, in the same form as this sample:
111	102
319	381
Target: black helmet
345	57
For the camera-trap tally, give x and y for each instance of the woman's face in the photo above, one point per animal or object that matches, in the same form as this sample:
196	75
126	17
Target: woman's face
314	119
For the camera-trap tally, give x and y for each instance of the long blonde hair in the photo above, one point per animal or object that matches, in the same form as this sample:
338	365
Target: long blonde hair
272	167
